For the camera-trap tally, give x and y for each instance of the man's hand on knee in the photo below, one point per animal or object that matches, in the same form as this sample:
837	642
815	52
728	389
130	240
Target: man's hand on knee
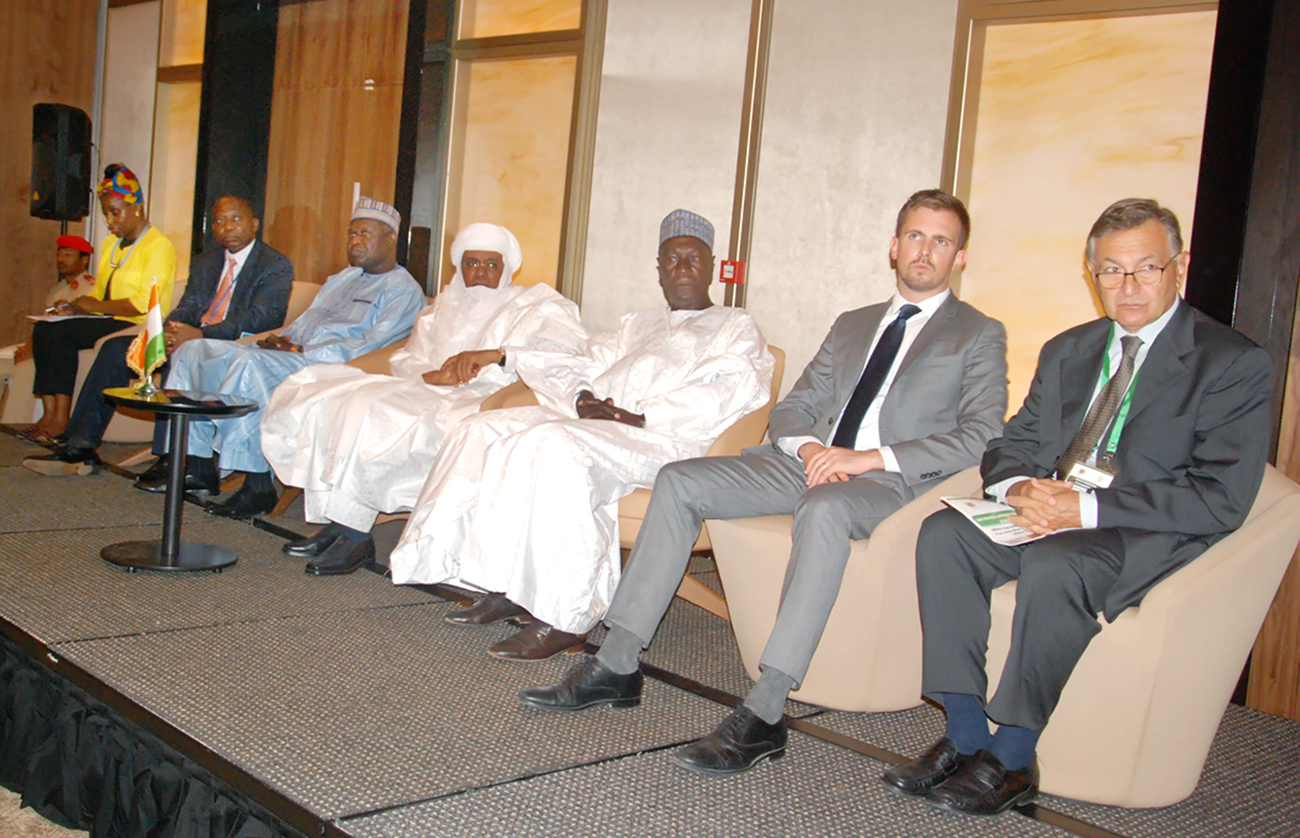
835	465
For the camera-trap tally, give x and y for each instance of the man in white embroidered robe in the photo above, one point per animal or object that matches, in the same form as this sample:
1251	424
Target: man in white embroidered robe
363	444
522	502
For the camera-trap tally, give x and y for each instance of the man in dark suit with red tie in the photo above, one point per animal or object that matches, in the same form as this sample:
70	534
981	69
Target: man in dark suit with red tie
240	288
1141	443
900	395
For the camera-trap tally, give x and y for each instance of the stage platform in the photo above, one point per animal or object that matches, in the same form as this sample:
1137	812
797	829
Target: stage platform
261	701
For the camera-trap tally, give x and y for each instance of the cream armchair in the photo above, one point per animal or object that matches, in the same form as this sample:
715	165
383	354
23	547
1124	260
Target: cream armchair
869	659
1138	715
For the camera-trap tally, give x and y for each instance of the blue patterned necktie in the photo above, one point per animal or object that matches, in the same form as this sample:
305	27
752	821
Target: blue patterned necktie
882	360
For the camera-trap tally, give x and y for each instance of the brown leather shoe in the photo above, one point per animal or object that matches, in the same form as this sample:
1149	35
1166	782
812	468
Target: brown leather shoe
537	642
492	608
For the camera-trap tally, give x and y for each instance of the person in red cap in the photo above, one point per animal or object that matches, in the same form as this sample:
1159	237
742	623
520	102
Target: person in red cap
71	259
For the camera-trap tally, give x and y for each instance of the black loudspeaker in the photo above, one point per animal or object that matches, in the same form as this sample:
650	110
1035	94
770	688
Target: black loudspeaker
60	162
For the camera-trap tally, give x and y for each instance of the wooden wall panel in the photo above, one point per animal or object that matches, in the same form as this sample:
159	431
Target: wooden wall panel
48	56
335	116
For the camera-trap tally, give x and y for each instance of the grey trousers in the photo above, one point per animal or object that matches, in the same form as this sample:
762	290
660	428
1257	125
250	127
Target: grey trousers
761	482
1063	583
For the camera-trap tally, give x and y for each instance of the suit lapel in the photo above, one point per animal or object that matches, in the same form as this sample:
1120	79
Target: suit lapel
855	354
244	282
1164	362
933	327
1079	372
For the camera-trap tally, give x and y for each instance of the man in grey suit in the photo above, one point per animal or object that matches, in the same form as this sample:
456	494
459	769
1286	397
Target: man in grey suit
1142	442
901	395
254	299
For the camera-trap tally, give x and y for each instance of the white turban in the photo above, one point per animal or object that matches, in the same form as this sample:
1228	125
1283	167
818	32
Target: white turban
480	302
490	237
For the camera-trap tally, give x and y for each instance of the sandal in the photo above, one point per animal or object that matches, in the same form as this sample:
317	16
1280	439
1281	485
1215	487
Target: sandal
36	435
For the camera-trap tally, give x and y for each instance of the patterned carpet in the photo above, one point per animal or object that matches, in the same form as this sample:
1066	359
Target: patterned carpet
354	700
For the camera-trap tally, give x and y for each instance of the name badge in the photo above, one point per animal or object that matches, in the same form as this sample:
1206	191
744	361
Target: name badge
1086	478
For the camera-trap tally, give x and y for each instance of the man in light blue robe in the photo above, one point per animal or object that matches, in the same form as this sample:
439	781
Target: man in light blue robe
370	304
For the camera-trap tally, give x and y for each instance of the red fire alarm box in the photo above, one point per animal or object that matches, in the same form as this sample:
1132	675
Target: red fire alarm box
733	272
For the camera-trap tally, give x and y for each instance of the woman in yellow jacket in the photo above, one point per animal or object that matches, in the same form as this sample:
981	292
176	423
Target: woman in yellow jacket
132	258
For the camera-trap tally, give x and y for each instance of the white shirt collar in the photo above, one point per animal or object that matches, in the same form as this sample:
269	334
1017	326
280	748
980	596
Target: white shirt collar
241	257
928	306
1150	331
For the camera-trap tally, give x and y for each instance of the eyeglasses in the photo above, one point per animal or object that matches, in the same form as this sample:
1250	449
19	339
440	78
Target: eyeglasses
474	264
1114	277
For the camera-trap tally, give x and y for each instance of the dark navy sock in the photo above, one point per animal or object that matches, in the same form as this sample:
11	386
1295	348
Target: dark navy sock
968	727
355	536
1015	746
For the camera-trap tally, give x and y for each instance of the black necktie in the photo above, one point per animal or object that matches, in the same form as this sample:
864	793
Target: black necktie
882	359
1103	409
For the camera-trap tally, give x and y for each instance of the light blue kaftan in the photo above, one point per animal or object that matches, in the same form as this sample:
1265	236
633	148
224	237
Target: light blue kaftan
353	314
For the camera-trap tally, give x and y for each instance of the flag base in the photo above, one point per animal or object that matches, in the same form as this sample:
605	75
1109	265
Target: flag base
145	387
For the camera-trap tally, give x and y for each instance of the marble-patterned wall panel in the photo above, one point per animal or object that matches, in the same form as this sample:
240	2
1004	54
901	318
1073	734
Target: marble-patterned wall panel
1072	116
175	156
516	152
184	24
130	71
489	18
672	83
857	99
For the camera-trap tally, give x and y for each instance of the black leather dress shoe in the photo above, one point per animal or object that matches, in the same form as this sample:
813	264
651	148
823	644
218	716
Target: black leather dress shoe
587	683
243	504
64	462
313	545
734	746
932	768
343	556
156	472
536	642
492	608
984	787
206	486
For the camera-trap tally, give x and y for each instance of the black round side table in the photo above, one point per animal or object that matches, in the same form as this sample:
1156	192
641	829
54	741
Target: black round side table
170	553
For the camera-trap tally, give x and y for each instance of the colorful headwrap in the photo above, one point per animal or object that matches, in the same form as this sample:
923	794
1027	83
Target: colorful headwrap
74	242
377	211
125	183
682	222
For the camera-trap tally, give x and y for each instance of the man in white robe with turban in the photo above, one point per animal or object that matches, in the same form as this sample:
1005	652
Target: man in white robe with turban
523	502
362	444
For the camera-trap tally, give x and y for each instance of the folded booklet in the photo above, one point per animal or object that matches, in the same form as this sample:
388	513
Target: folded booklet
991	518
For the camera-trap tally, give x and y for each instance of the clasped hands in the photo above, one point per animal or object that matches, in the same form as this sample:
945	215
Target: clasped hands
175	334
835	464
462	367
590	407
1044	506
277	342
